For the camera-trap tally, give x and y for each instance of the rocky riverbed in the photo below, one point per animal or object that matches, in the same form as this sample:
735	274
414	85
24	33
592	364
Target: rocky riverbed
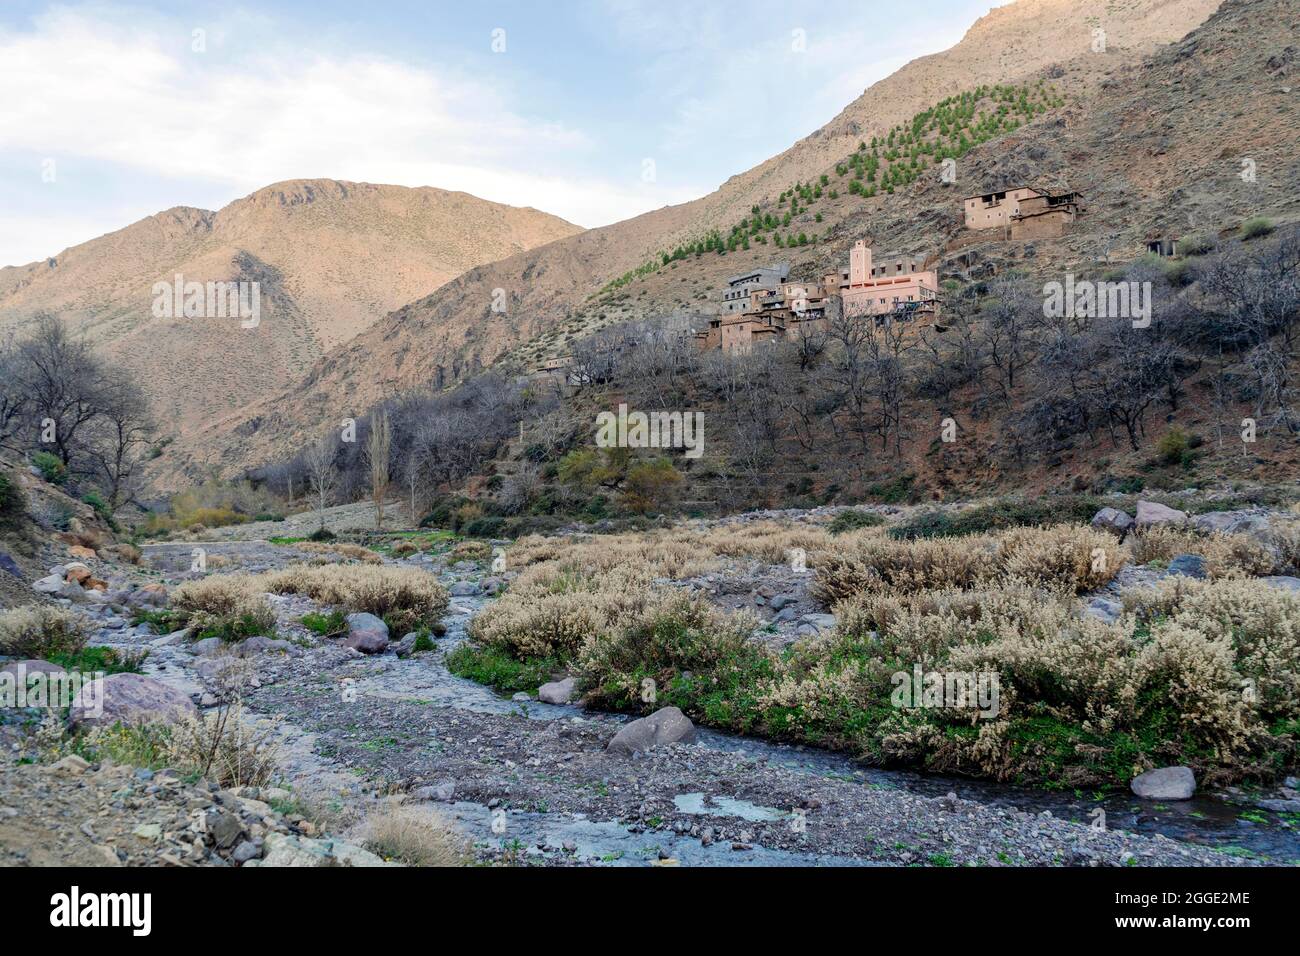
536	783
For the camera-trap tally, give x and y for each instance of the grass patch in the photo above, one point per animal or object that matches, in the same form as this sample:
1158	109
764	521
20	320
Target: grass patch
498	670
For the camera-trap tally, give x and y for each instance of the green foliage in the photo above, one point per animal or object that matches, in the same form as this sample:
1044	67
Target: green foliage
499	670
12	502
326	625
853	520
91	660
322	536
50	466
996	517
1256	227
1174	446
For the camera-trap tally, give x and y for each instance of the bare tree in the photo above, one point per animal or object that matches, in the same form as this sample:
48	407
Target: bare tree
379	446
120	435
321	474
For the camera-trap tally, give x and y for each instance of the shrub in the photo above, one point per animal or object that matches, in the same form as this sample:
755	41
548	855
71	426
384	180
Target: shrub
225	748
415	837
406	598
471	551
322	535
997	516
1257	227
853	520
1197	245
40	632
1174	446
229	606
50	466
1226	555
352	552
12	503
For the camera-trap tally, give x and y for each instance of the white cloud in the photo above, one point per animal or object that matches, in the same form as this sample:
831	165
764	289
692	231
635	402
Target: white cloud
78	85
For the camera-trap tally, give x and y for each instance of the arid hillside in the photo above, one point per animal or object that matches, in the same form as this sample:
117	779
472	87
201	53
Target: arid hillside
455	331
331	258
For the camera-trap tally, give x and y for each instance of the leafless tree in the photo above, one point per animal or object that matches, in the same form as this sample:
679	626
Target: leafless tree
322	477
379	446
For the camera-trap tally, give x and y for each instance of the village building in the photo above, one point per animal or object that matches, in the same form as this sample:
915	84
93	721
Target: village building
896	285
736	297
1024	212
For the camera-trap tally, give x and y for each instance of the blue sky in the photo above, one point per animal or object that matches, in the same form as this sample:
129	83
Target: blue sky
595	110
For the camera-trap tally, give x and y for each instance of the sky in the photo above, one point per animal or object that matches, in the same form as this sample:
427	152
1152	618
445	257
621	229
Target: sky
593	110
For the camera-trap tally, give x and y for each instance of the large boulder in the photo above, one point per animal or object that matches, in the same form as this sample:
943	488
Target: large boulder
285	850
128	699
1114	520
666	726
557	692
1166	783
1188	566
148	595
367	634
1232	522
1151	514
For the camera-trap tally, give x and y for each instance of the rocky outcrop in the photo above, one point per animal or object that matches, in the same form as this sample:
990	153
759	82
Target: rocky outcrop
1151	514
128	699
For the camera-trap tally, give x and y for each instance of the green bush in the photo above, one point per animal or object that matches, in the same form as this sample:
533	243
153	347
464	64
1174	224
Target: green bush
1174	446
1256	227
997	516
853	520
12	504
322	536
50	466
1197	245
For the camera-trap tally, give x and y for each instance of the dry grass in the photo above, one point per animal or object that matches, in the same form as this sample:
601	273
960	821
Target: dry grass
352	552
1226	555
40	631
471	551
232	603
406	598
414	837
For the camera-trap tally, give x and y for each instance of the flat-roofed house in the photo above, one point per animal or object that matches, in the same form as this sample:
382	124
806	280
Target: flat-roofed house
895	284
735	298
1024	212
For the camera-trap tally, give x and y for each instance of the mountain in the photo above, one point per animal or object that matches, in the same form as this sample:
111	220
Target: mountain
330	257
555	292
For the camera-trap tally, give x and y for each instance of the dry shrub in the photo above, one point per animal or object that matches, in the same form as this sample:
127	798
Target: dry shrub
1063	557
129	553
404	549
41	631
1226	555
1066	556
224	749
669	635
766	540
471	551
233	603
352	552
414	837
404	597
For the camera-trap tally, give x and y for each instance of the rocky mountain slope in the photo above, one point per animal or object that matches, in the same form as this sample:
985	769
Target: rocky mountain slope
331	258
555	291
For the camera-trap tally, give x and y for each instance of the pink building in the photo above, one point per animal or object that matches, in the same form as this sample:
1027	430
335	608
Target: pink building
896	284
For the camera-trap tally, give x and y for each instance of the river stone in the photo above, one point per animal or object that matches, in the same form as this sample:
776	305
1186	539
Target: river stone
260	644
1188	565
1166	783
50	585
208	647
367	634
284	850
8	564
1104	609
1231	522
666	726
464	589
129	699
1150	514
149	595
443	792
27	668
1112	519
782	601
557	692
